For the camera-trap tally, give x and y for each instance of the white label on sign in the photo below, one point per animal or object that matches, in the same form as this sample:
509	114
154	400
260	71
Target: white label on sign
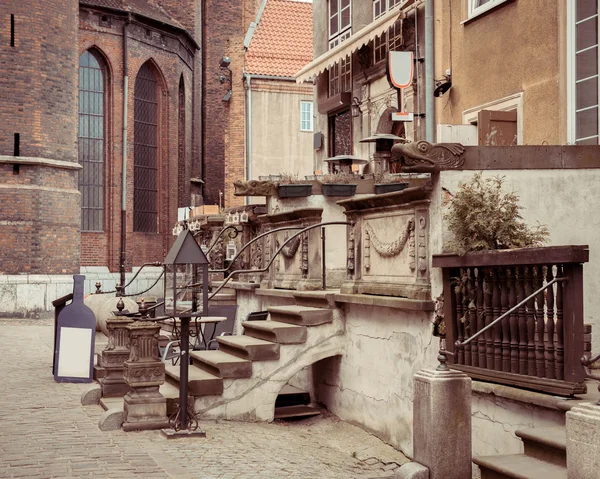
74	352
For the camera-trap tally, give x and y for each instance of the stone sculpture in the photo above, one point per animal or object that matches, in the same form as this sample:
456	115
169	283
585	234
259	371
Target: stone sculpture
255	188
425	157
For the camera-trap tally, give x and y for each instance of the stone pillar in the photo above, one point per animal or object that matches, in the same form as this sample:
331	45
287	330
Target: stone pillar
114	357
144	406
442	423
583	441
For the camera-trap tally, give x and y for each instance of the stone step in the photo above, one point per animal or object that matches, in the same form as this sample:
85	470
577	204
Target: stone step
546	444
247	347
222	364
300	315
200	382
292	396
316	299
518	466
276	331
288	412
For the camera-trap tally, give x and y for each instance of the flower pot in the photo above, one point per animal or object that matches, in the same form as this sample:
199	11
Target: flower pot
389	187
338	189
294	191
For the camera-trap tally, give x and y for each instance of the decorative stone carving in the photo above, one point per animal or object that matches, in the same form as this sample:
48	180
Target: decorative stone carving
350	266
144	406
114	356
389	249
255	188
367	255
304	263
290	249
424	157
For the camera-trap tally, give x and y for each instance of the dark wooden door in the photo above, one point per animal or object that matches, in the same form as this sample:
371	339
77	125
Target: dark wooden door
497	128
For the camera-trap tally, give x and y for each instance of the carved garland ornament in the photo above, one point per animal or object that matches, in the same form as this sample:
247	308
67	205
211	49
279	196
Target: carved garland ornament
387	250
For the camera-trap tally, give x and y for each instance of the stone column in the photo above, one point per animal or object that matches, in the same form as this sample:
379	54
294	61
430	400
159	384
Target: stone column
114	356
583	441
144	406
442	423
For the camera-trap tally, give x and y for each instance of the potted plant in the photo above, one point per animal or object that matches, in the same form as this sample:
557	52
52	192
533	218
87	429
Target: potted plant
290	186
387	182
339	184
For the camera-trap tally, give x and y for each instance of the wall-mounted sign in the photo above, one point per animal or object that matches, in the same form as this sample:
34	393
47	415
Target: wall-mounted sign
400	68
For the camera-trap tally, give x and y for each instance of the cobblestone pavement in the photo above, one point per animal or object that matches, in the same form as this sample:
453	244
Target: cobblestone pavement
45	432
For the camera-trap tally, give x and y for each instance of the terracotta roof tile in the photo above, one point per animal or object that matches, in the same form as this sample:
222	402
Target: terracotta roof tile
283	40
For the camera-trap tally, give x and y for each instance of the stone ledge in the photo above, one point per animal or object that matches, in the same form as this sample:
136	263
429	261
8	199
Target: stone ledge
538	399
387	302
279	293
239	285
29	160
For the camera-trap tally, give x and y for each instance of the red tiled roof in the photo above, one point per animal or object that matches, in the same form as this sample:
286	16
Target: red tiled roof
146	8
283	40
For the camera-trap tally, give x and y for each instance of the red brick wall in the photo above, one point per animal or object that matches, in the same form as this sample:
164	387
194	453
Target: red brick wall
39	220
164	49
226	26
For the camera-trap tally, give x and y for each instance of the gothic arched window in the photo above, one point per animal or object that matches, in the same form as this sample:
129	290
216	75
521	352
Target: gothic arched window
145	151
92	81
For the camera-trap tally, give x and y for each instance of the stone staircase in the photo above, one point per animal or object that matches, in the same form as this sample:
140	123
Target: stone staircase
544	457
244	378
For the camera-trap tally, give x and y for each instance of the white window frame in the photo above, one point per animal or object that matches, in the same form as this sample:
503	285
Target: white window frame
509	103
572	74
341	35
475	9
310	115
384	7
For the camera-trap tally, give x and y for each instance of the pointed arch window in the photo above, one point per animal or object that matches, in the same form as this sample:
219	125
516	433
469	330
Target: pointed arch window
145	151
181	161
92	82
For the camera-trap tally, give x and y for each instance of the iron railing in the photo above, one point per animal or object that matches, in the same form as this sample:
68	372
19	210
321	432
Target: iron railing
516	317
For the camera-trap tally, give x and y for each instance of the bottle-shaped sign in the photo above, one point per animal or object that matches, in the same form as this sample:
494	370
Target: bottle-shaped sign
75	335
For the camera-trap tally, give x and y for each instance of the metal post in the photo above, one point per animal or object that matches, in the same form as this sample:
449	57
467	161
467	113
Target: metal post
183	372
205	290
323	257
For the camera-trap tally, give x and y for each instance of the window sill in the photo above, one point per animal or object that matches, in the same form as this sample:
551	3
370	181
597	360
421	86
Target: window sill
485	12
375	72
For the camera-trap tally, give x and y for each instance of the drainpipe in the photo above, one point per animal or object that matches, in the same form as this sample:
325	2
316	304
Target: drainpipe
248	129
124	173
429	105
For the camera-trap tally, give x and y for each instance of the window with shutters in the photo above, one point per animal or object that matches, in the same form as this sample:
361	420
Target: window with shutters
145	151
92	84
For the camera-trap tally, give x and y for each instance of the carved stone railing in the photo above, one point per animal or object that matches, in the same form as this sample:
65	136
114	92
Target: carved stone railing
299	264
387	247
537	346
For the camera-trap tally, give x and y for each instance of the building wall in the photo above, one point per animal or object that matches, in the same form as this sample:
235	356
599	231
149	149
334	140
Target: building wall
278	145
515	48
172	58
39	221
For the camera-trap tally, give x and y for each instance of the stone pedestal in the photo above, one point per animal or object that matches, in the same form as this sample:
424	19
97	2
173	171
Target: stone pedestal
144	406
114	357
583	441
442	423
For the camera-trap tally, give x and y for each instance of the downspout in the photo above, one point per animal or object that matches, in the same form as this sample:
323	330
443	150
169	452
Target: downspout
429	105
248	129
124	173
202	99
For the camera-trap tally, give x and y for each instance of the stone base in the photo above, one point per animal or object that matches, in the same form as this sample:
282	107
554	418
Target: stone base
145	410
294	284
173	434
410	291
583	441
114	389
442	423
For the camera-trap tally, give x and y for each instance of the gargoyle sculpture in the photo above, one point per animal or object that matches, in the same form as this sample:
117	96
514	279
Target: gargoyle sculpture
255	188
425	157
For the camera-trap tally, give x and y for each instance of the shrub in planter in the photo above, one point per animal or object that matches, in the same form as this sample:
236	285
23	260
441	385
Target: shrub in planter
387	183
290	186
482	217
339	184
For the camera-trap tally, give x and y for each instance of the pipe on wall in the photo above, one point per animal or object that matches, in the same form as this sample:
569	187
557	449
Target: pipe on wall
429	105
123	255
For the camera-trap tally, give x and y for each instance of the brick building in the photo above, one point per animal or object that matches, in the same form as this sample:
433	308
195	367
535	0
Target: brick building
66	65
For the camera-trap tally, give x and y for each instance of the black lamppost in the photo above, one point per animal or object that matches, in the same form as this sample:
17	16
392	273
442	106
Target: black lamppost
183	265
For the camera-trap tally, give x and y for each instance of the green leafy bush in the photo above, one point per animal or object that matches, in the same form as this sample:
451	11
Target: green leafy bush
483	217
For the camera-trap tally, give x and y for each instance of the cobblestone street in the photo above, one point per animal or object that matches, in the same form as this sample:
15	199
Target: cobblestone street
45	432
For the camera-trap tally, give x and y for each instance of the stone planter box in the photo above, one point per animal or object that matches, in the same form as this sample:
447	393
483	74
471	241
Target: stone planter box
389	187
338	189
294	191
